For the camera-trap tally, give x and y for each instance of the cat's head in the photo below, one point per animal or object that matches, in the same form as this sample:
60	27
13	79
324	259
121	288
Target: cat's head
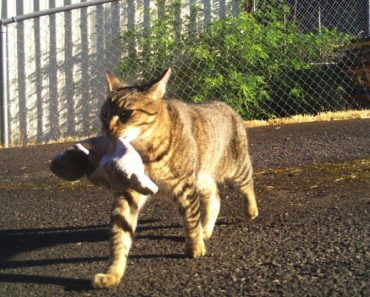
129	111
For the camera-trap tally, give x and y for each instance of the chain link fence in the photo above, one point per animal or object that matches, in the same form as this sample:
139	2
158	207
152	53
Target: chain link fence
267	59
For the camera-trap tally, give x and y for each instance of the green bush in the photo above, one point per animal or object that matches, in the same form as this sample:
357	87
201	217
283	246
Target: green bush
261	64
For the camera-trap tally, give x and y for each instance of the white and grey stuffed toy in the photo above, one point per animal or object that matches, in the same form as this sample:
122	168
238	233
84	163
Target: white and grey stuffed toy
113	163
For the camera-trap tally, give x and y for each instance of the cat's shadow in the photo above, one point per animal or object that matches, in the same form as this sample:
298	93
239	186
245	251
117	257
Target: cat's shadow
69	284
15	242
18	241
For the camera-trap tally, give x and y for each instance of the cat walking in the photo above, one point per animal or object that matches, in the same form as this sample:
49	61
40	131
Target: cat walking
187	149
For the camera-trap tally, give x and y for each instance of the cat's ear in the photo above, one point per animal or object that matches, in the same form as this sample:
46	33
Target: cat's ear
114	83
158	89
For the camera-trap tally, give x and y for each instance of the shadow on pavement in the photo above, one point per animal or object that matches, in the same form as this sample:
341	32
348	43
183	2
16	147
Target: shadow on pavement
45	262
18	241
67	283
14	242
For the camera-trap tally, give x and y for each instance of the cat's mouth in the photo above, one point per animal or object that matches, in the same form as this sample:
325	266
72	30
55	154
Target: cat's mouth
130	134
109	133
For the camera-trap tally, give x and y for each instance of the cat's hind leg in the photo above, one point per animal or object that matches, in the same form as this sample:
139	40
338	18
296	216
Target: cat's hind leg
244	182
124	220
187	198
249	204
210	203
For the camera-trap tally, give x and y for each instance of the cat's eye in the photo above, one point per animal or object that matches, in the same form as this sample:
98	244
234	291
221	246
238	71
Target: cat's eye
125	115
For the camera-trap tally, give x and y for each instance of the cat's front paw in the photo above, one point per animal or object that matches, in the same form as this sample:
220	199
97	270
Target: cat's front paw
195	250
252	212
103	281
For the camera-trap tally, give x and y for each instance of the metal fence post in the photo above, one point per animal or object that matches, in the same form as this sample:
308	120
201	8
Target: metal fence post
368	17
4	125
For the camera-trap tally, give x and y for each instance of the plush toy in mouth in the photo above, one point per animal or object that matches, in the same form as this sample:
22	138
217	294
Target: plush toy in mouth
113	163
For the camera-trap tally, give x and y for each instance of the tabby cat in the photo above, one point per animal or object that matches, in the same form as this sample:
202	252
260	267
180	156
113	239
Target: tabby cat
187	149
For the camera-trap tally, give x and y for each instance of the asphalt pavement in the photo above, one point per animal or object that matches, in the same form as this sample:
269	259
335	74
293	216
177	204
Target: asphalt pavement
312	237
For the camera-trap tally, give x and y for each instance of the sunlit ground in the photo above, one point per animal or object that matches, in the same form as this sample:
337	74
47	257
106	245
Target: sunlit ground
324	116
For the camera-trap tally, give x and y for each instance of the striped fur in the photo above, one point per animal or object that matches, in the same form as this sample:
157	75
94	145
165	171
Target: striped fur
188	149
123	220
